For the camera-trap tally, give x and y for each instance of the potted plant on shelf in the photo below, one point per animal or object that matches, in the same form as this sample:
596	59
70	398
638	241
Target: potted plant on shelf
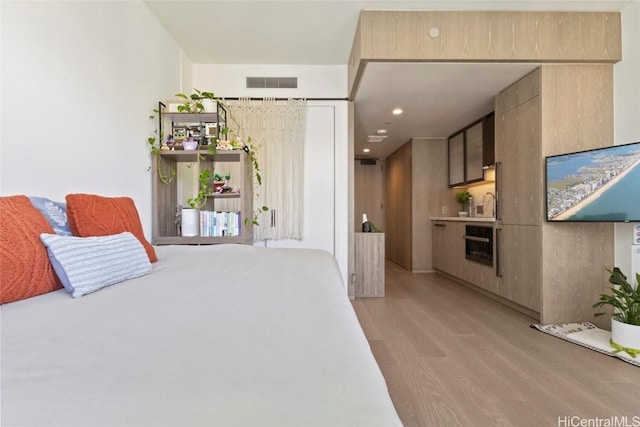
463	197
625	321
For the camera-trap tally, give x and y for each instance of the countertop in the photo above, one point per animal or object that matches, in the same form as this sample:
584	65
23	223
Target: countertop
463	218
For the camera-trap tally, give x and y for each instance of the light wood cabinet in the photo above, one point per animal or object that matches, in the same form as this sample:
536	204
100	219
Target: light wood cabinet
370	260
519	264
449	255
519	176
554	269
448	246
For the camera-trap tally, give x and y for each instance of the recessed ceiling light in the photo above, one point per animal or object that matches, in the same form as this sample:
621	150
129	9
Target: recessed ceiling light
381	131
397	111
366	150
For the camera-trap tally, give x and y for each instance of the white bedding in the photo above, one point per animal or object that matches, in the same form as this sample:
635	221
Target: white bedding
226	335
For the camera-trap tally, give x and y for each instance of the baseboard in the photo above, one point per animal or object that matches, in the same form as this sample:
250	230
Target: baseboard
522	309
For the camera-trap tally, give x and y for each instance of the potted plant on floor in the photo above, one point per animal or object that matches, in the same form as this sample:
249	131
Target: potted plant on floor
625	321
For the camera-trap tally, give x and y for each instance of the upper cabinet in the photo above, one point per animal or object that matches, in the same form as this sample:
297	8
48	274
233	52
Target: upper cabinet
471	149
456	159
473	153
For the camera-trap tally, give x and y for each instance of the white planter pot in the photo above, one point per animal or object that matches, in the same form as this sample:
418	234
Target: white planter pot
190	222
625	335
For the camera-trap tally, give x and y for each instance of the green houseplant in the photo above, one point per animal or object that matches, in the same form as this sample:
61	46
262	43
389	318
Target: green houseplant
463	197
625	320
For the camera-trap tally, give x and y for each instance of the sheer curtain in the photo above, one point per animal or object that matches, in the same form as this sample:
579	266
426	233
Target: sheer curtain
277	128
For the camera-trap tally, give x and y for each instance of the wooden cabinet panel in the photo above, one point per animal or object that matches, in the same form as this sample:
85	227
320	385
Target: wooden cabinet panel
398	195
369	264
520	264
438	239
448	247
520	177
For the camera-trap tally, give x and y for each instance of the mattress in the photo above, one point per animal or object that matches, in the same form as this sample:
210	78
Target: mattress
225	335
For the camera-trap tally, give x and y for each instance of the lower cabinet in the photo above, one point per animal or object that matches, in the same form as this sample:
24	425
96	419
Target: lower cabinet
448	246
448	249
520	265
369	251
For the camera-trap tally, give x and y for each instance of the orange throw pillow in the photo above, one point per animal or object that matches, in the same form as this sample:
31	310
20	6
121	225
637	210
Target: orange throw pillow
90	215
25	270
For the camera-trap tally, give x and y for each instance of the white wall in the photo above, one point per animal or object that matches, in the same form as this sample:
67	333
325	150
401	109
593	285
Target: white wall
79	80
627	112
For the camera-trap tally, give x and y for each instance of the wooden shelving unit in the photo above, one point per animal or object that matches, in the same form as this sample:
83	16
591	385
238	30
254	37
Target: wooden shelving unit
165	196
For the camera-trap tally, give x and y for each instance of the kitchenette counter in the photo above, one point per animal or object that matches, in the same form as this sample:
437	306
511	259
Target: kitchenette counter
463	218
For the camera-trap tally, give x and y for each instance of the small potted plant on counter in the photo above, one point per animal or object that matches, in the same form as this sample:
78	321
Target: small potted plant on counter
625	321
463	197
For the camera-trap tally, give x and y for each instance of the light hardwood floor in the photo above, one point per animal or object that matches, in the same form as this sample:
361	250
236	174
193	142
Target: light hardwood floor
453	357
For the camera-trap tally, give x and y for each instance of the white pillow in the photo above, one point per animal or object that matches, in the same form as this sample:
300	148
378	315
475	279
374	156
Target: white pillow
87	264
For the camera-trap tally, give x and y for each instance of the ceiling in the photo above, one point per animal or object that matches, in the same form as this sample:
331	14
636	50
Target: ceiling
437	99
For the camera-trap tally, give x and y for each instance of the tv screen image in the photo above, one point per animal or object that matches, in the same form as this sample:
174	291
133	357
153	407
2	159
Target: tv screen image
601	185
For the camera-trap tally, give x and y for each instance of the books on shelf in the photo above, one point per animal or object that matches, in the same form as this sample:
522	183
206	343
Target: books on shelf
220	224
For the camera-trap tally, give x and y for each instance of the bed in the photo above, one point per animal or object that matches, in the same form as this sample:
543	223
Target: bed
225	335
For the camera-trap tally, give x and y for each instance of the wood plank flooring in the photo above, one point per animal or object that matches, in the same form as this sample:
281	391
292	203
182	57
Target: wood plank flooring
453	357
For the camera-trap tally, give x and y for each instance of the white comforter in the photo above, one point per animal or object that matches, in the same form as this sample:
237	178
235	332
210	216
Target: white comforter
224	335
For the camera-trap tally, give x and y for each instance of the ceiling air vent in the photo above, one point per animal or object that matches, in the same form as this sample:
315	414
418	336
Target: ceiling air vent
375	138
272	82
368	162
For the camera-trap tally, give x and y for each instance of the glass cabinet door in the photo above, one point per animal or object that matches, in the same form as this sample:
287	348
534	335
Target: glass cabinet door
456	159
473	153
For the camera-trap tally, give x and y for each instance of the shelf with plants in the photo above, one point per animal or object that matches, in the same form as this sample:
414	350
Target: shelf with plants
166	227
194	131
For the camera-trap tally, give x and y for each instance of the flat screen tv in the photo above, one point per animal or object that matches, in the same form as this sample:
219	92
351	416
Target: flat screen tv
601	185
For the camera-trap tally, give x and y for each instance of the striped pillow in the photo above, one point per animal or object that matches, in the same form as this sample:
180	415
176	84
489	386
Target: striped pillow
87	264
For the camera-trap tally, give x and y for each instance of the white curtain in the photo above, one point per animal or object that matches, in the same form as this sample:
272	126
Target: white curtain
277	128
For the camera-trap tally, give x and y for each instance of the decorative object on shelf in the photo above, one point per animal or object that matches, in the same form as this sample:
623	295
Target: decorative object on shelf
224	145
463	198
190	144
366	225
625	320
221	183
190	219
